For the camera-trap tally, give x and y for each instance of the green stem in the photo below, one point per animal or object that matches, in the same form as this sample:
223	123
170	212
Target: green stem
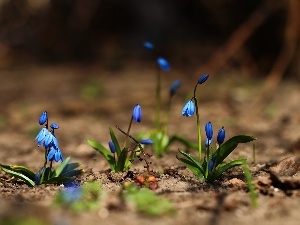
126	136
198	125
158	100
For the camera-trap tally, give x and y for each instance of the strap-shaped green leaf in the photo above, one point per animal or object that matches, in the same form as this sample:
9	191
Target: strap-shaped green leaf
58	180
122	160
60	168
216	173
192	164
24	178
72	173
226	148
106	153
115	141
21	169
70	167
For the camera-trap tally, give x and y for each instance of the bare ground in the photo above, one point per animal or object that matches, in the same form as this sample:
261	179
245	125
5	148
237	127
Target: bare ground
224	100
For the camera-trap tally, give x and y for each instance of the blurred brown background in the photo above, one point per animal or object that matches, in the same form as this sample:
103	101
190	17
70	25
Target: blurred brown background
195	34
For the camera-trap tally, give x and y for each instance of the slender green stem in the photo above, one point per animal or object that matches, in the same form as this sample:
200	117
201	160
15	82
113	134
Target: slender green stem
115	161
126	136
207	161
198	125
158	100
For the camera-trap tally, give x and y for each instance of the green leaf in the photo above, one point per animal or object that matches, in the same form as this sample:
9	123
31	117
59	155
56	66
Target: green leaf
212	176
70	166
57	180
21	169
192	164
122	160
115	141
60	168
22	177
226	148
72	173
106	153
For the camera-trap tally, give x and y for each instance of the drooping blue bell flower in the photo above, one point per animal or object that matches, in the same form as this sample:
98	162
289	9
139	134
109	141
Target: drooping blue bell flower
221	136
41	136
54	126
188	109
163	64
137	113
175	85
112	147
55	154
209	130
146	142
203	78
43	118
148	45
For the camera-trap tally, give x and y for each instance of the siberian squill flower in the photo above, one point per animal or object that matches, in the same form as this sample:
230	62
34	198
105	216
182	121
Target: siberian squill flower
55	154
146	142
221	136
175	85
137	113
163	64
209	130
188	109
112	147
148	45
203	78
43	118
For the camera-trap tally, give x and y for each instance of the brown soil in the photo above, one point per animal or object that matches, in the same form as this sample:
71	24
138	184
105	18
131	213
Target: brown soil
224	100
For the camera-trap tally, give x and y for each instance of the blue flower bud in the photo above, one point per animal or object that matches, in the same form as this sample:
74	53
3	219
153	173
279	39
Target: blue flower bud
146	142
163	64
43	118
221	136
37	176
209	130
203	78
148	45
188	109
54	126
112	147
137	113
211	163
175	85
207	142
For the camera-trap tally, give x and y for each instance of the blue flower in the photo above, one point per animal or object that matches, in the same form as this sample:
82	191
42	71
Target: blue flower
71	195
209	130
175	85
54	126
163	64
207	142
221	136
146	142
137	113
55	154
112	147
148	45
41	136
211	163
43	118
203	78
188	109
48	140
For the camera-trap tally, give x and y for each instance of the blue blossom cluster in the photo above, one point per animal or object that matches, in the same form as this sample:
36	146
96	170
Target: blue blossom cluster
48	139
